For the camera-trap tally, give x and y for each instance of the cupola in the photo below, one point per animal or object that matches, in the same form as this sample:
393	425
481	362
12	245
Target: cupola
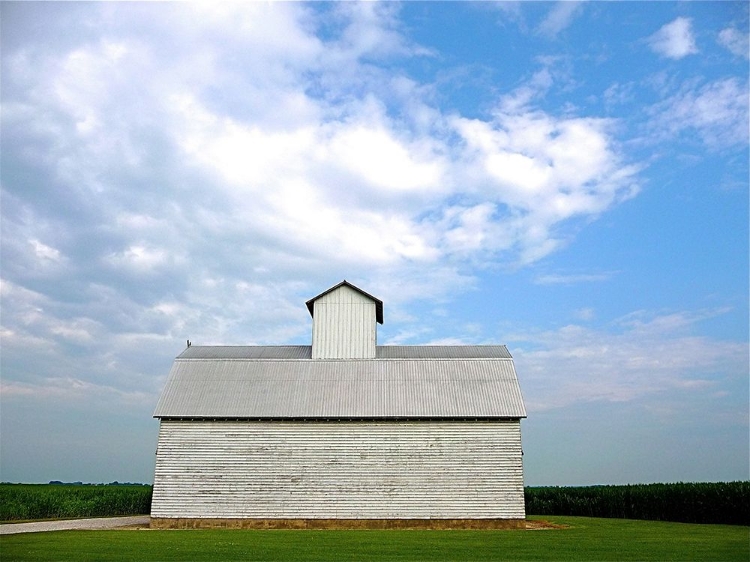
344	323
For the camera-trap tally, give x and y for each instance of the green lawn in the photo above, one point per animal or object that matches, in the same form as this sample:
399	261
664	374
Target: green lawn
585	539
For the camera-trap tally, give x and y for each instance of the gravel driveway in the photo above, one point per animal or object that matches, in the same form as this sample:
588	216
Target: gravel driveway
98	523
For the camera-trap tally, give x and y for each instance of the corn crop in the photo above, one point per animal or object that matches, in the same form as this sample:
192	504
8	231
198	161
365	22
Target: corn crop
720	502
67	501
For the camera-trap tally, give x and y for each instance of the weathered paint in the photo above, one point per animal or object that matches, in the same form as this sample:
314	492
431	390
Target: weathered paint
344	325
339	470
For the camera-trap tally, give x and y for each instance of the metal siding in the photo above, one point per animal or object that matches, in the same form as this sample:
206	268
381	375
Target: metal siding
342	389
406	470
344	326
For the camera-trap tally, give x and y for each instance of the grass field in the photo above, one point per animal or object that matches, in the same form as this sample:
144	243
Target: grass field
584	539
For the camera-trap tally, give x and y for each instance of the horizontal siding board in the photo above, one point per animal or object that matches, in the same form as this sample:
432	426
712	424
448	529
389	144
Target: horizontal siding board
350	470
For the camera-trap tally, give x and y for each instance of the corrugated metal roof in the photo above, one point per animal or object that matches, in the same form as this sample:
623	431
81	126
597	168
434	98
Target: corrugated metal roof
382	352
247	352
392	388
442	352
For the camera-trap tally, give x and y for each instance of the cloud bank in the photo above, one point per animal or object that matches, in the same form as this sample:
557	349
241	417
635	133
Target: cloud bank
167	153
642	355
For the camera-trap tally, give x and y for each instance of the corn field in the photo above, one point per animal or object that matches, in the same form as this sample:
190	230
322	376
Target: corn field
721	502
68	501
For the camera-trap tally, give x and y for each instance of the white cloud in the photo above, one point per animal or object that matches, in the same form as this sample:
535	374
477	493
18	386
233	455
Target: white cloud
381	160
140	258
524	95
559	17
718	111
618	94
674	40
586	314
77	330
734	40
297	177
281	33
45	253
372	30
544	169
72	389
470	229
570	279
641	354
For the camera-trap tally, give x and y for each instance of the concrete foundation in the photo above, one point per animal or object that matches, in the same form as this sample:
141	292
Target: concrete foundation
436	524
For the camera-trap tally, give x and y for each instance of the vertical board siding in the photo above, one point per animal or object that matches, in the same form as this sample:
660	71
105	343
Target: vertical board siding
344	326
339	470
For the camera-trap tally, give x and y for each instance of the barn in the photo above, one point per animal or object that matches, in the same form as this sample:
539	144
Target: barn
341	433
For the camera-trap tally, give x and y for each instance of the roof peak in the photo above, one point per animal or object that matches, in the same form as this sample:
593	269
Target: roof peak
378	303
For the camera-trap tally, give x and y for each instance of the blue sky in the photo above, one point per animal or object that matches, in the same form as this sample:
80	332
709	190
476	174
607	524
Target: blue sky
570	179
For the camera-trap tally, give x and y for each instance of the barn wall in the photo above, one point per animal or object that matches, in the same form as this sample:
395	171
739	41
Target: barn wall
344	326
339	470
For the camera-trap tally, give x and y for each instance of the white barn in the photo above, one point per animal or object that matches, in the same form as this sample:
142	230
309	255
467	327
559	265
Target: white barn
342	433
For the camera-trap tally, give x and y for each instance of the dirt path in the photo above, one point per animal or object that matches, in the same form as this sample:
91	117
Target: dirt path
542	525
67	524
143	521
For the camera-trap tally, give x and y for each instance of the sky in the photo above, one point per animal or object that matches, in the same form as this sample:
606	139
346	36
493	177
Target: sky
568	179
